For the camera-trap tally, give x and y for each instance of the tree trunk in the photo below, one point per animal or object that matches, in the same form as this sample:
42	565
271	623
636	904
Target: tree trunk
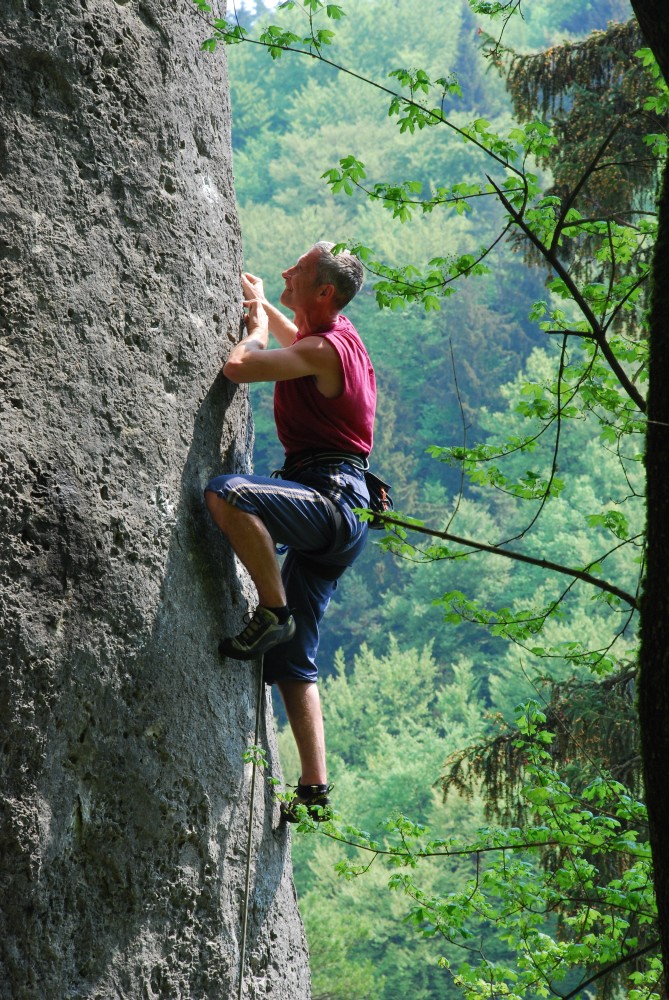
124	797
654	676
652	18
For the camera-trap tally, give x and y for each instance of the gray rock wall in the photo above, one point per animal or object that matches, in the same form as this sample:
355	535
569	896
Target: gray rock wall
124	797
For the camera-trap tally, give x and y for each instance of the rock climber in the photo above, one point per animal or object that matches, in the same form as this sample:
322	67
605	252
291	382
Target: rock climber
324	405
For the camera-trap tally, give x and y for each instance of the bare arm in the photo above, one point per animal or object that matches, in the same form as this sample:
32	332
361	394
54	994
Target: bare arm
279	325
249	361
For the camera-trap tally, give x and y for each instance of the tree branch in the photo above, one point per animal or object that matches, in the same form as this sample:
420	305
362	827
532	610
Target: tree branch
569	201
653	946
597	333
578	574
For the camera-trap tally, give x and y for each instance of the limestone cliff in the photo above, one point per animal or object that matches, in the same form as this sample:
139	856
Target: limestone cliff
124	797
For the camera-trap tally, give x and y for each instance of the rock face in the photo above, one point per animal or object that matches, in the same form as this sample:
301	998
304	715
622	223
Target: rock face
124	796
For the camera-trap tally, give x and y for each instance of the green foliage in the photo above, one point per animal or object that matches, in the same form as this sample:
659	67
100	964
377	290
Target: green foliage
594	90
390	720
275	38
657	104
339	937
548	908
561	913
399	694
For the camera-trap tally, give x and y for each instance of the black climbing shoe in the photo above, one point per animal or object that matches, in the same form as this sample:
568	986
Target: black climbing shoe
314	798
262	632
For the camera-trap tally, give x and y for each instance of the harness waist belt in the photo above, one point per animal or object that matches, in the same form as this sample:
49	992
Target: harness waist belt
306	459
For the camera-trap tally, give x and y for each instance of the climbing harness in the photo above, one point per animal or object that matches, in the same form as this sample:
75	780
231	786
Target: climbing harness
249	842
380	500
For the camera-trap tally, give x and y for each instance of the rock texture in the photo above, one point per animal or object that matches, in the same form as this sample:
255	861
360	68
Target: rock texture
124	796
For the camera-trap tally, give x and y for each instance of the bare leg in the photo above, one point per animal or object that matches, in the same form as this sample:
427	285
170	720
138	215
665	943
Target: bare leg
254	547
303	707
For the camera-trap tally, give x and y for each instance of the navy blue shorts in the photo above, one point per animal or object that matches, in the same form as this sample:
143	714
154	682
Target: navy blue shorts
311	518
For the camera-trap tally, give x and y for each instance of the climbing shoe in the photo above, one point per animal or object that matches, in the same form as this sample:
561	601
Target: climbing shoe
263	631
314	798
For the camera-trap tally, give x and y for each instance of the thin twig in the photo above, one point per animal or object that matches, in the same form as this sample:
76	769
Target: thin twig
556	448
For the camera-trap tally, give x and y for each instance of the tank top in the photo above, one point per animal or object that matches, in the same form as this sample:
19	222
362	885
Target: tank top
306	420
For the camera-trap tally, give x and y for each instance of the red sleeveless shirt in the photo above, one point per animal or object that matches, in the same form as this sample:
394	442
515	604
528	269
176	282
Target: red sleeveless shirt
307	420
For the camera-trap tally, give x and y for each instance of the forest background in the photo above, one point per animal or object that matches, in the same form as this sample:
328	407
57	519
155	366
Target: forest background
405	684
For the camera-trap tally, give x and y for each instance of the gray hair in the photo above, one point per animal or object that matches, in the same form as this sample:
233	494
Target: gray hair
342	270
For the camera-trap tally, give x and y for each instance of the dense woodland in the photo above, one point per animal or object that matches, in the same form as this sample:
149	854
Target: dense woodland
427	655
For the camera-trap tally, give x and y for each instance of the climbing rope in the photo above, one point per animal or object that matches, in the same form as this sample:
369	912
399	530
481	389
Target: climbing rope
249	842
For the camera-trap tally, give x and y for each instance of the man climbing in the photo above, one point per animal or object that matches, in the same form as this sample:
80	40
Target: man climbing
324	404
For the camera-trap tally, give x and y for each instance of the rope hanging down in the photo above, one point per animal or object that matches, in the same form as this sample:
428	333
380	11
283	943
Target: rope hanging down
249	841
